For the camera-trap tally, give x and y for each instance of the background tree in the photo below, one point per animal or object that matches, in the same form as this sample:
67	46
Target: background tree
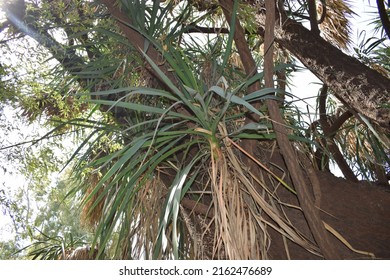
189	150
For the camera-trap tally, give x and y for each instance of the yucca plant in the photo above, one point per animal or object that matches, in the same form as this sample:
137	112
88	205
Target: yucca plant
165	143
176	187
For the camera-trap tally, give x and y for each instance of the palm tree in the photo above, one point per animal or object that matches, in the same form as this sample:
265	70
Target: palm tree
195	154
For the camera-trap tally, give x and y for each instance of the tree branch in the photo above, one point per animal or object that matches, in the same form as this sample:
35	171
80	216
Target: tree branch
383	15
313	17
137	40
359	87
66	56
307	204
191	28
340	121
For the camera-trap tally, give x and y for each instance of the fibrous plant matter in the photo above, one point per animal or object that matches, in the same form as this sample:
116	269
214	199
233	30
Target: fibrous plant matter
194	153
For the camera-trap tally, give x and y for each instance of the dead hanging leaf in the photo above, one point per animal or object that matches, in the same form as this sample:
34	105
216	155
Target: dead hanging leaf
90	217
346	243
336	27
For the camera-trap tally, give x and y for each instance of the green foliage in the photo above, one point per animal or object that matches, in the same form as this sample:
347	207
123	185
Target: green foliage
374	52
51	229
53	247
30	195
7	250
179	133
136	131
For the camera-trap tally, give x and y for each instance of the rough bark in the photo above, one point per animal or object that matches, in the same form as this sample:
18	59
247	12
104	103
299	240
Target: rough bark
136	39
359	87
306	201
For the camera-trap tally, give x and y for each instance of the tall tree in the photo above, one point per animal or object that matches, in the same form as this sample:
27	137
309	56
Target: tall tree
196	153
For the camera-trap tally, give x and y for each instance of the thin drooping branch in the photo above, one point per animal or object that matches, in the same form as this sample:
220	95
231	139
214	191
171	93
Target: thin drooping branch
329	138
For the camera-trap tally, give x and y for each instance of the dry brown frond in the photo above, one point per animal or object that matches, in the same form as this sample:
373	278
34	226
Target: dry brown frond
265	207
382	70
144	220
238	210
91	217
243	214
336	27
235	234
